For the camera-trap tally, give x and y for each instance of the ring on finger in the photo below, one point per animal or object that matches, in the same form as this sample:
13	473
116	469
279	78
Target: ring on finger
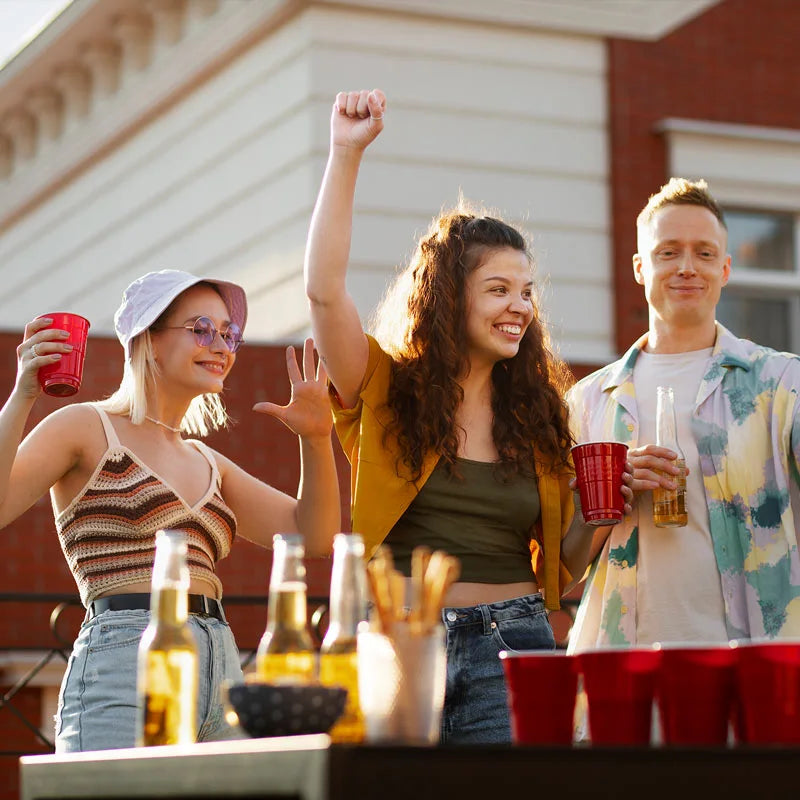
34	351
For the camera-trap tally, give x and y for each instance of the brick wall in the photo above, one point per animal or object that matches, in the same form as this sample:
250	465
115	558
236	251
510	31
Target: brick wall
263	446
32	559
736	63
15	736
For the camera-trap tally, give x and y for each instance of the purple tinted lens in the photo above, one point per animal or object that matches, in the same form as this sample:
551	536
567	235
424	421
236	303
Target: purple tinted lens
204	331
233	337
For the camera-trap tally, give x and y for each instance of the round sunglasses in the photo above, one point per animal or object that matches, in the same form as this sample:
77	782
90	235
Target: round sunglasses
205	333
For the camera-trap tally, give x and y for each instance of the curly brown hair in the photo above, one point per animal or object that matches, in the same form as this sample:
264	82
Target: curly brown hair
422	324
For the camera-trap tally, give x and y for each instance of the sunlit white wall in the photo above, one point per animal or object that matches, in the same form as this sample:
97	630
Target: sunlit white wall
223	182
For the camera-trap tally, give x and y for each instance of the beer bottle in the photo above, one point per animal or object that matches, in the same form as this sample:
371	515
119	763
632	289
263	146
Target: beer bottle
167	662
669	505
286	653
348	607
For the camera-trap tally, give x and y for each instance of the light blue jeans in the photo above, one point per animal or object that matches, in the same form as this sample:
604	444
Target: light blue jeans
97	701
475	705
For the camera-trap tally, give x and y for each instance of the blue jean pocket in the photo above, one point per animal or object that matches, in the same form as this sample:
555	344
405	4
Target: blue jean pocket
531	632
113	634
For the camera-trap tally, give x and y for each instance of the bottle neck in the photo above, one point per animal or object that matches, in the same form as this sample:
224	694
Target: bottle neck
169	605
343	622
170	585
287	585
666	426
287	607
348	601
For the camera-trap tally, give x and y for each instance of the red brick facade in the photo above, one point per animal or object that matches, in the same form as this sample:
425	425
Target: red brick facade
33	559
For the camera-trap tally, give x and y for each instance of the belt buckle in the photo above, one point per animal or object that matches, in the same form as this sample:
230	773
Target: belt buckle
206	610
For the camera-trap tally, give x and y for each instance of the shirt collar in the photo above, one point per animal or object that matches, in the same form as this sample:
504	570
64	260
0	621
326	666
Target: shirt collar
728	351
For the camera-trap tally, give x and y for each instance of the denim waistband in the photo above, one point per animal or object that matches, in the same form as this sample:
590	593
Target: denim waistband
493	612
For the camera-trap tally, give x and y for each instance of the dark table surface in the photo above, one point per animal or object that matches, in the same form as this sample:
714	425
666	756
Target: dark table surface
309	767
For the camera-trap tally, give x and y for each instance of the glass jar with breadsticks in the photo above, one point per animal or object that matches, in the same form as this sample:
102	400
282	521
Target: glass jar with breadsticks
432	574
402	656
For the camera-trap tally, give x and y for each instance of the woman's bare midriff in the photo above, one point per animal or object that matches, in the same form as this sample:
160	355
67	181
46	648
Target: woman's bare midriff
197	586
458	596
465	593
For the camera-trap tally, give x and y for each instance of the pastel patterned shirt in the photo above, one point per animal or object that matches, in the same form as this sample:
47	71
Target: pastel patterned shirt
746	425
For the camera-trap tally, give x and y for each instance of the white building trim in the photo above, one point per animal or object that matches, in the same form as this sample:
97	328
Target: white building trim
111	67
635	19
747	165
220	174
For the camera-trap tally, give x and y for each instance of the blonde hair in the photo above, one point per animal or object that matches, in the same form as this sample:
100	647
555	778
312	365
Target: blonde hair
206	413
680	192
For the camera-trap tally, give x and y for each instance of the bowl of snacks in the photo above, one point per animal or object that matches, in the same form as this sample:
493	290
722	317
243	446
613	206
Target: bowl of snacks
272	709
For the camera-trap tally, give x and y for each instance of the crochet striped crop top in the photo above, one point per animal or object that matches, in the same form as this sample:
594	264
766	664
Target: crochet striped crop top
108	531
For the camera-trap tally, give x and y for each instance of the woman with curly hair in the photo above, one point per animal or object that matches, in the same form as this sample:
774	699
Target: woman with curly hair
454	425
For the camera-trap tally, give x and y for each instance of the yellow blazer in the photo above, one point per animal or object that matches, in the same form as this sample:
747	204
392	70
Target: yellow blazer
379	496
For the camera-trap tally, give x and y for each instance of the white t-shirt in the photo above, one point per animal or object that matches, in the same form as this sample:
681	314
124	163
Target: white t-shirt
678	594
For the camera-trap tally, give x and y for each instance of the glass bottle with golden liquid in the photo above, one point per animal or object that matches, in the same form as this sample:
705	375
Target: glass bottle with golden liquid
348	608
167	662
286	652
669	505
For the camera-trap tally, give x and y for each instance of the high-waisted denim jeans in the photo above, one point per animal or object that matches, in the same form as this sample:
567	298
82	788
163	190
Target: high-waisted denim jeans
97	701
475	706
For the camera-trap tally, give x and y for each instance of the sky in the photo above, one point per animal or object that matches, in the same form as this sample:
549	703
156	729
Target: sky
21	20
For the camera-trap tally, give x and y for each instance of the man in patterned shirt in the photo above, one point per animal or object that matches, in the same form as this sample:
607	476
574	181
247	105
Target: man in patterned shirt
734	570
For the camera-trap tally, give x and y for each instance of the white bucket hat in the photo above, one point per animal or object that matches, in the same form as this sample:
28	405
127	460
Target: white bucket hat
146	299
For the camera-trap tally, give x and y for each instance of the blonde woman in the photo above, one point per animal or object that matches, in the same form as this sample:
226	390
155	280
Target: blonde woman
121	469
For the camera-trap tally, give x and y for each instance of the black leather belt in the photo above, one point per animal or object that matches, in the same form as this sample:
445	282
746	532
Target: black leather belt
198	604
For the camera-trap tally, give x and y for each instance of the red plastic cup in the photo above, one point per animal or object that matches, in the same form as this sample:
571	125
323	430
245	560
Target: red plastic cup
598	468
768	680
63	378
695	690
620	687
541	696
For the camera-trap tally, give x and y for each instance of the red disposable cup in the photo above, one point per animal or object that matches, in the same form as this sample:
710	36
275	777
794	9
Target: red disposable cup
620	687
737	714
541	696
63	377
768	681
695	690
598	468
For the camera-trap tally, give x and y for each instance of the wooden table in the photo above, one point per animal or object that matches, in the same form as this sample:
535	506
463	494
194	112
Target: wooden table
309	768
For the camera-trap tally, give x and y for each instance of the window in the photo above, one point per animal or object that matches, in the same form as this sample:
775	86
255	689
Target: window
762	299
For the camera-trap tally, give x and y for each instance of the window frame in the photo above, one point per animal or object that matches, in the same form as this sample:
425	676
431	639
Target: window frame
769	284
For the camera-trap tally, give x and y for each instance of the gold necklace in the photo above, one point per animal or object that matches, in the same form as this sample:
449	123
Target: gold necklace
162	424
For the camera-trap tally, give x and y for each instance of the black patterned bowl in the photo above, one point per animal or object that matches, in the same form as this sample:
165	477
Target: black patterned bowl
268	709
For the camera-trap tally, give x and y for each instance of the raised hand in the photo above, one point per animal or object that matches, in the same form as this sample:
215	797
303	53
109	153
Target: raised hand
357	118
308	413
38	348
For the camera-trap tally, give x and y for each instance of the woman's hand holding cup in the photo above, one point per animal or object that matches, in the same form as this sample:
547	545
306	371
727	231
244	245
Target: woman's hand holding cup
604	479
40	347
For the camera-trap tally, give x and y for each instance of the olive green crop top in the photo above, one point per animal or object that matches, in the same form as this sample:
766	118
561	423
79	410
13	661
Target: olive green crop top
480	519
